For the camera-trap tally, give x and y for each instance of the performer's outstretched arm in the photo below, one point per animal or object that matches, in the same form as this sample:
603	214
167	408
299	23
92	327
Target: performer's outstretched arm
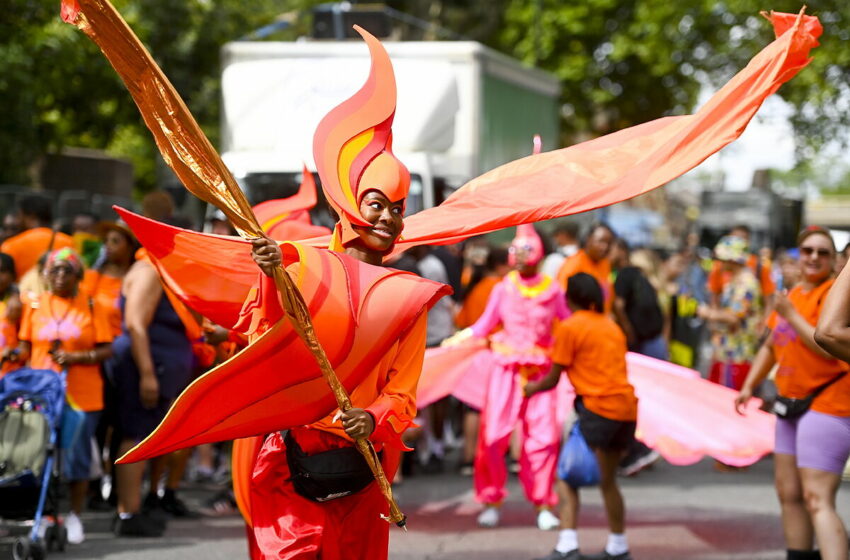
491	317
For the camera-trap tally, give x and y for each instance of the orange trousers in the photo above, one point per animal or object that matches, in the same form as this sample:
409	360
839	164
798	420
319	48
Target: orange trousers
287	526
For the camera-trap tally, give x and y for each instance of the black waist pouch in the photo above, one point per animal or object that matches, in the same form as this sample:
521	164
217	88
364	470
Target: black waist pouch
328	475
789	408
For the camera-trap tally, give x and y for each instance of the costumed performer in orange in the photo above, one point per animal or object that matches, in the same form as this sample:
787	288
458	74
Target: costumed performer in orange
292	516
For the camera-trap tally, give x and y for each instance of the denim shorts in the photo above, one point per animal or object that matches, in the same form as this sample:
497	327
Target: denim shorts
80	461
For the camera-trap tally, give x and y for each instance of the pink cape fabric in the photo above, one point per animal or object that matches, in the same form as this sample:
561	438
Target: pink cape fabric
680	415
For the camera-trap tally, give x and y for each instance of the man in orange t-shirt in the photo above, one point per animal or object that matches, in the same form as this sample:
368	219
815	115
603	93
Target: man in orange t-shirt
591	348
592	259
37	238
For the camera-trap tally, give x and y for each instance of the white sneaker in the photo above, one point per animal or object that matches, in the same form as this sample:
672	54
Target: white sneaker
489	517
546	520
75	528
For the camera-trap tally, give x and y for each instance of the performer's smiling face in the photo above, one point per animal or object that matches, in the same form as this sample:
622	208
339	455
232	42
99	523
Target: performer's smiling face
386	218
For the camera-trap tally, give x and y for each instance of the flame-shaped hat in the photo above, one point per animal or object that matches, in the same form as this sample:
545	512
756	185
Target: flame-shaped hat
353	146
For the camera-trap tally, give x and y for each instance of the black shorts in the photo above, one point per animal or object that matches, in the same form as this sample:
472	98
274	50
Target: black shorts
603	433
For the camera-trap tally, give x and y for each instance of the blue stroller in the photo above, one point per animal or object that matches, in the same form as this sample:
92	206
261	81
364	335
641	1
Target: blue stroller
31	405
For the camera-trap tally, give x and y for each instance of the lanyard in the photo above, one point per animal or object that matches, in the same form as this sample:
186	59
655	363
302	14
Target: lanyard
56	324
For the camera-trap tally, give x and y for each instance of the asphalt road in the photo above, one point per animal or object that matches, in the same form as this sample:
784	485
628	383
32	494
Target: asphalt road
674	513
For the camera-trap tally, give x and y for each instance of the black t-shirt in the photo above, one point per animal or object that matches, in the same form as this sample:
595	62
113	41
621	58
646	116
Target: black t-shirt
641	301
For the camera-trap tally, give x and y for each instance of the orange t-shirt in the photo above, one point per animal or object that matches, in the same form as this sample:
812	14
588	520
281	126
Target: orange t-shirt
801	371
106	290
601	270
27	247
475	303
80	327
593	349
718	278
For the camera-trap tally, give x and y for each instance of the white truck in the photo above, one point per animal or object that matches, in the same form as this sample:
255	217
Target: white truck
462	109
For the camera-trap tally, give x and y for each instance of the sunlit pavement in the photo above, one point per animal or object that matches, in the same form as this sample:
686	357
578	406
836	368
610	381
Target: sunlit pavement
674	513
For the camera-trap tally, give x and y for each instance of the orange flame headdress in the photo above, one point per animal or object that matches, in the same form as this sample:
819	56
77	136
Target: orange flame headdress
353	147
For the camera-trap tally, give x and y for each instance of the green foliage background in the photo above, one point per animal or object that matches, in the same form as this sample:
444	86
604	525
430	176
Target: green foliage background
621	62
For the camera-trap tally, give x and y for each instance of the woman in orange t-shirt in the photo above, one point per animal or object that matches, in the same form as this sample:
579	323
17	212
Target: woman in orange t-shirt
103	282
592	349
812	448
64	329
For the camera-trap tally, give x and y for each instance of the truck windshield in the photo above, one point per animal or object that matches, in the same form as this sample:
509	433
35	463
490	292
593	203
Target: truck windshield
260	187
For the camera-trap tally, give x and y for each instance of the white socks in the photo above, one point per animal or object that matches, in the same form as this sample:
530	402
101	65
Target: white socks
617	544
567	540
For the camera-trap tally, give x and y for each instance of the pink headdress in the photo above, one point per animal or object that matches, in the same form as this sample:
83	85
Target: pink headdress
526	240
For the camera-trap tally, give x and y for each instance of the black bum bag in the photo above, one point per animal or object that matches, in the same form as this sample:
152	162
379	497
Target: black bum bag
328	475
788	408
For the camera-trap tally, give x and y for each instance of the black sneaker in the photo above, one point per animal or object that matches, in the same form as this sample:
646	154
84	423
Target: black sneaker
638	458
173	505
555	555
152	509
137	525
604	555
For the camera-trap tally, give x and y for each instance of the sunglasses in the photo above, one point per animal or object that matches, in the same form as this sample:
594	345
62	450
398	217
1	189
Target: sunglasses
809	251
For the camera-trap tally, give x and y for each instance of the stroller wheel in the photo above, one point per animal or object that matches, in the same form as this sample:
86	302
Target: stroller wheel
21	549
50	537
38	550
61	537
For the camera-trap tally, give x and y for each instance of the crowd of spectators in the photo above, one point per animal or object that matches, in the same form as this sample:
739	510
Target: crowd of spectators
90	303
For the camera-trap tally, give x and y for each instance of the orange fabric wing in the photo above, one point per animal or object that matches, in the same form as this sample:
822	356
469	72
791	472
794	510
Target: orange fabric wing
621	165
275	383
212	274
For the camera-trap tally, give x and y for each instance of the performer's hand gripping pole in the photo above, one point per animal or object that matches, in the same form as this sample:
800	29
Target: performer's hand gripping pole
190	154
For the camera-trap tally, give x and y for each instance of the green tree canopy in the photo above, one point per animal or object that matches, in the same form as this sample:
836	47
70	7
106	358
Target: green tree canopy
621	62
57	89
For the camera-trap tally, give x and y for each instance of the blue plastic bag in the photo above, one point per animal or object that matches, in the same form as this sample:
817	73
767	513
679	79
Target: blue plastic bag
577	464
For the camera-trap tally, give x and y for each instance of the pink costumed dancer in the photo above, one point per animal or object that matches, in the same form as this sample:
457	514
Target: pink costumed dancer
526	304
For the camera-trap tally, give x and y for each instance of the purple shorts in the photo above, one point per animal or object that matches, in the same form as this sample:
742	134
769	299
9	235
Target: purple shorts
820	441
